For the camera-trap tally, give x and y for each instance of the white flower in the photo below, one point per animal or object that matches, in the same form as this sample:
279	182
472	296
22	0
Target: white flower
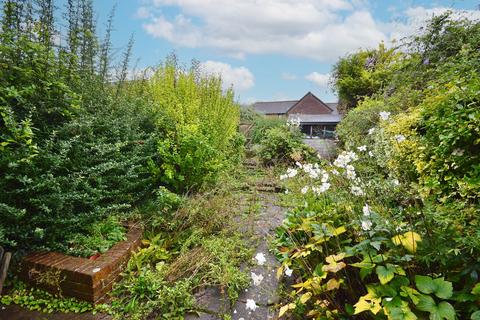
291	172
366	210
384	115
288	271
325	177
362	148
294	122
371	130
260	257
395	182
345	158
400	138
304	190
251	305
458	152
335	172
287	191
370	153
257	278
366	225
357	191
323	187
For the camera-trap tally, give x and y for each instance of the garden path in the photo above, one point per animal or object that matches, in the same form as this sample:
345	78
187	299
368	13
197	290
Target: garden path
265	294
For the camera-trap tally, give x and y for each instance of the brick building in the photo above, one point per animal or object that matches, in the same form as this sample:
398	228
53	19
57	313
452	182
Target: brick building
317	118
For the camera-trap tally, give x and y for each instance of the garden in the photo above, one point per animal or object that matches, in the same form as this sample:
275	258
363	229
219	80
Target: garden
387	229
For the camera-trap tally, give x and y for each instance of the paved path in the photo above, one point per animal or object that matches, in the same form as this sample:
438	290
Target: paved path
325	147
264	294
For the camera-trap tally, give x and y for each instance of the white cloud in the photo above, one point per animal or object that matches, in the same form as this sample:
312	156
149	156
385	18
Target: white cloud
318	29
288	76
307	28
143	13
239	78
319	79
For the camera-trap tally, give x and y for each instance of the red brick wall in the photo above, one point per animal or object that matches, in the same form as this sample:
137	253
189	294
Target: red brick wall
310	105
85	279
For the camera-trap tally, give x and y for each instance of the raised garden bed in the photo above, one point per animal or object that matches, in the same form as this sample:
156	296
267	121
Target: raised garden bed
81	278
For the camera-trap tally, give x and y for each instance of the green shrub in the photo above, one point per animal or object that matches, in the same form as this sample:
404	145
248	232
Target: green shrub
200	123
283	144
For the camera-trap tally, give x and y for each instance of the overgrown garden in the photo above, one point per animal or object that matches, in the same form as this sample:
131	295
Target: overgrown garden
85	147
390	228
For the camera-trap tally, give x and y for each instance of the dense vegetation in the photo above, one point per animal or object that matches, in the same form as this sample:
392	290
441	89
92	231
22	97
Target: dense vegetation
389	230
80	143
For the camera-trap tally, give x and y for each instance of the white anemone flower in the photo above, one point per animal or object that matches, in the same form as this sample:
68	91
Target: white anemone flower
366	210
362	148
288	271
304	190
366	225
357	191
384	115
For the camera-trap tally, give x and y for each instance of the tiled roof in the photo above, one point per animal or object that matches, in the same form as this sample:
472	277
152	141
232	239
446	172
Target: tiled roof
281	107
274	107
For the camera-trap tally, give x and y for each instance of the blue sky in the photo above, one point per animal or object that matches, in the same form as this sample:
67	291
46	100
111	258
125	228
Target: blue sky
267	49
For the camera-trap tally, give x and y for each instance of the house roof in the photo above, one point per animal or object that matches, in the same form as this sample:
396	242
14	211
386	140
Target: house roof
274	107
282	107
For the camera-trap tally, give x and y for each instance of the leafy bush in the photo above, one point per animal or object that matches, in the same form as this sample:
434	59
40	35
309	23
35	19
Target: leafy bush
283	144
200	123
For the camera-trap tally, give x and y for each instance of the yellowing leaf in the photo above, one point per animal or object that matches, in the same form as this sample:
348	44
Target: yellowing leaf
333	284
305	297
368	303
339	231
279	272
283	310
408	240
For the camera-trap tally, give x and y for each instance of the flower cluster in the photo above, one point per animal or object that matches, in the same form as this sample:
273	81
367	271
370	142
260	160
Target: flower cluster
290	174
293	122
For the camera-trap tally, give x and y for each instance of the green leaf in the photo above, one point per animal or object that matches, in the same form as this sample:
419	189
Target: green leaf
475	315
426	303
441	288
443	310
425	284
398	309
476	289
385	274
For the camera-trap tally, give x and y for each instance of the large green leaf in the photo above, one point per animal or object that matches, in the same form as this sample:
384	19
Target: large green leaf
398	309
441	288
385	274
475	315
443	310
